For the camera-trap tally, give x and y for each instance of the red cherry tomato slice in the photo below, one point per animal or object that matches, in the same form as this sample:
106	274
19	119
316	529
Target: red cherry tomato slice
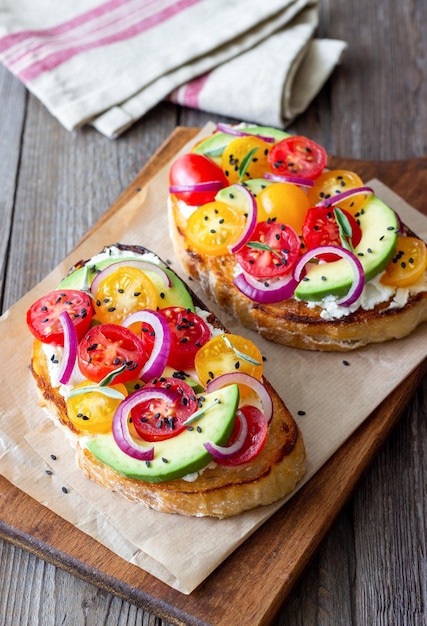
298	156
255	439
43	315
107	347
156	420
272	250
321	229
191	169
189	332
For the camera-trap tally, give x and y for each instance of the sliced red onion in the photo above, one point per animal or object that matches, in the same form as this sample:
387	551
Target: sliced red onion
224	452
401	225
356	266
336	199
267	291
138	264
240	132
211	185
121	433
251	220
294	180
156	364
70	348
248	380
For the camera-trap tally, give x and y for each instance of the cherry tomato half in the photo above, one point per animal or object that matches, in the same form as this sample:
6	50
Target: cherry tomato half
298	156
189	332
284	202
227	353
190	169
321	229
123	292
43	315
213	227
408	263
255	439
155	420
92	412
107	347
334	182
235	153
273	250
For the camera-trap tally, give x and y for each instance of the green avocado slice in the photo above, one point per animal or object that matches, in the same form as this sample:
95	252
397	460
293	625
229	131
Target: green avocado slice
380	228
214	145
180	455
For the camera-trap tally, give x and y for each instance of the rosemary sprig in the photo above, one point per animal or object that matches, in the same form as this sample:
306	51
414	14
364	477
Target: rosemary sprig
244	164
345	229
240	354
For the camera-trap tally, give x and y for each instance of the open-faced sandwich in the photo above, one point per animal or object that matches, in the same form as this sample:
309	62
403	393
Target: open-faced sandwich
162	404
308	257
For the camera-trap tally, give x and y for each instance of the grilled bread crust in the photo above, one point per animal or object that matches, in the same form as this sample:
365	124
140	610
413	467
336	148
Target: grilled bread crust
290	322
218	491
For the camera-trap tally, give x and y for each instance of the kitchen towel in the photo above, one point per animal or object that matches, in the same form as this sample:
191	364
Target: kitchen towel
108	63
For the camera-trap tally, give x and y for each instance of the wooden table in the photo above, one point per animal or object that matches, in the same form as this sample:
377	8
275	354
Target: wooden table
371	567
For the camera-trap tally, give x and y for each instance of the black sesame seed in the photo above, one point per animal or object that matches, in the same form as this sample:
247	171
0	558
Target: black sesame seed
64	490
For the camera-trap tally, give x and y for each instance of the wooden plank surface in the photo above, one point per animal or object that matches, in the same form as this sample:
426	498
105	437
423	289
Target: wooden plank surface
371	566
283	546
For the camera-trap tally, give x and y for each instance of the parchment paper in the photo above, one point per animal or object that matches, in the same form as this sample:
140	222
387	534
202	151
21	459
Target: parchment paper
335	398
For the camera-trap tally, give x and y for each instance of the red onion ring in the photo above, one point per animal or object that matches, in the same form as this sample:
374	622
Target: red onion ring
240	132
224	452
294	180
248	380
251	220
121	433
345	195
266	292
357	285
70	348
138	264
158	359
211	185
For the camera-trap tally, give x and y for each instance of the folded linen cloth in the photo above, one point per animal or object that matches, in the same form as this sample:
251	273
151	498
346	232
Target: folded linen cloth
108	62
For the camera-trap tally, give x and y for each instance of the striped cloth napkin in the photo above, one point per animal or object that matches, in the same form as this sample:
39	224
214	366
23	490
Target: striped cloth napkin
107	63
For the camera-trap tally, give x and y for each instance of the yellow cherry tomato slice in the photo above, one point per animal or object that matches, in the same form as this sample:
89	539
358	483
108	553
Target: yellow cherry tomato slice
408	263
235	153
213	227
334	182
285	203
228	353
121	293
92	411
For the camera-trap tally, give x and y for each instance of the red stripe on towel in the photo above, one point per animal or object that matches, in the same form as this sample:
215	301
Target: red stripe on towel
28	54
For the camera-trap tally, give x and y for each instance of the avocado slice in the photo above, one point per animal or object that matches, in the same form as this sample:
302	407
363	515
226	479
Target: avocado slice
214	145
380	228
175	295
180	455
230	195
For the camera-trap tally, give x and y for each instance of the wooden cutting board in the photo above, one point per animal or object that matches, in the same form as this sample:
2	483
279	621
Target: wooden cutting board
237	592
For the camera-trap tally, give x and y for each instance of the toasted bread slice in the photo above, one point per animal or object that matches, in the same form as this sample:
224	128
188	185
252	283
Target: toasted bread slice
291	322
218	491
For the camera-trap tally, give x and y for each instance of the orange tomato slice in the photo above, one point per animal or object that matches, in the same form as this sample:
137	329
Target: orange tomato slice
408	263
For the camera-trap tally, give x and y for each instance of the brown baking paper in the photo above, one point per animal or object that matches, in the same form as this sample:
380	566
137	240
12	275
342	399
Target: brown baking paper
335	399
